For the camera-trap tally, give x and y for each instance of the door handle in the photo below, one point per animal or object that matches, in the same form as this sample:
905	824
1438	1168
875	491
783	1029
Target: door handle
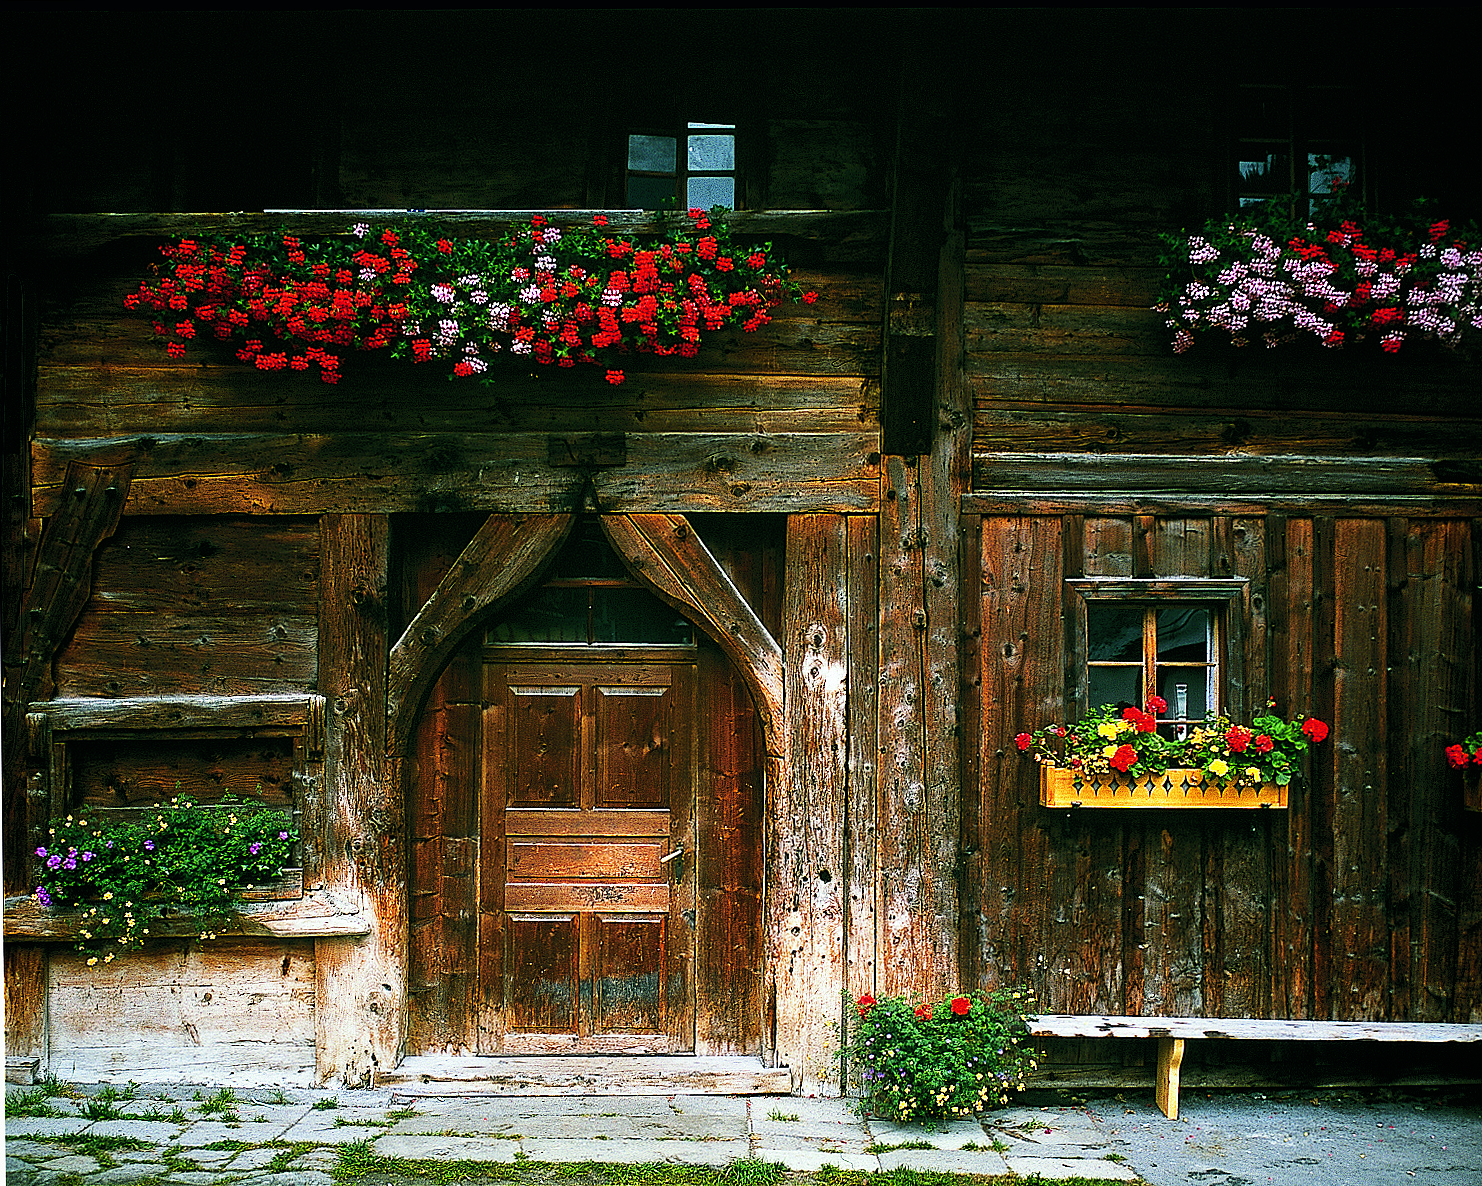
676	870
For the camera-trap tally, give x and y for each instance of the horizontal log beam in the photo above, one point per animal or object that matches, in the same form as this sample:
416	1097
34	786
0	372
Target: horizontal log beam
844	234
316	915
1113	502
364	473
1229	476
178	712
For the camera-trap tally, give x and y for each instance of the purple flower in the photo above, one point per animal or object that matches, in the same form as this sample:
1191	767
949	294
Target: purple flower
42	896
149	846
87	856
53	861
253	848
41	852
282	835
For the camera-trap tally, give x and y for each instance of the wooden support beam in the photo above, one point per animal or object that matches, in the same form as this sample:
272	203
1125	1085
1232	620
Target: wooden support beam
1165	1089
499	563
665	553
360	991
807	871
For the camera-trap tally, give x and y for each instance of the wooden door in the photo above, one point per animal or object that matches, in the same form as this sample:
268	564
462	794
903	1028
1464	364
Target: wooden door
586	917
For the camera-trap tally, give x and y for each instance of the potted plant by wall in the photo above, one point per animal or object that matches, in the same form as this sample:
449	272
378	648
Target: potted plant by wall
1119	757
180	859
1467	757
913	1061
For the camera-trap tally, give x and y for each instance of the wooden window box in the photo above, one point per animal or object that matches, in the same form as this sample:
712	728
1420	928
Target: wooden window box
1471	789
1173	788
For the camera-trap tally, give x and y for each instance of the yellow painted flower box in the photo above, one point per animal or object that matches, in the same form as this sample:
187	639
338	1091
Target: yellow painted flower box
1172	788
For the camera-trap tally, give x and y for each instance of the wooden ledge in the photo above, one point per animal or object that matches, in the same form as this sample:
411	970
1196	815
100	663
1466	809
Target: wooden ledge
318	915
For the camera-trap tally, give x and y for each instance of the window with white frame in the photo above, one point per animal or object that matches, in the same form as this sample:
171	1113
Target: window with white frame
693	167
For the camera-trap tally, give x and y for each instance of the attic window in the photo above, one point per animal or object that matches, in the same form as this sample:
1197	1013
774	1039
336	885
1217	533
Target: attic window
1294	140
694	167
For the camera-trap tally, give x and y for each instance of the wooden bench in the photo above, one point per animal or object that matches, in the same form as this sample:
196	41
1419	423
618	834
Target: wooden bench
1173	1032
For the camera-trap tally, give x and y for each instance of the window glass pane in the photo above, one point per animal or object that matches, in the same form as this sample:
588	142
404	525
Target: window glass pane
551	615
1114	685
1183	635
1264	174
1186	690
650	193
712	154
1324	171
653	154
1115	632
635	615
705	192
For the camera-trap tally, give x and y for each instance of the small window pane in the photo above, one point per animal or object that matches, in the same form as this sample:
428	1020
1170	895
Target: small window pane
551	615
705	192
1183	635
635	615
650	193
712	154
1186	692
1115	630
1114	685
653	154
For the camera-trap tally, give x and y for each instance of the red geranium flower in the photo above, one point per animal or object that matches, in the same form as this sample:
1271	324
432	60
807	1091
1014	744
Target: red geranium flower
1237	738
1456	756
1024	741
1314	729
1124	759
865	1004
1157	704
1264	744
923	1012
960	1006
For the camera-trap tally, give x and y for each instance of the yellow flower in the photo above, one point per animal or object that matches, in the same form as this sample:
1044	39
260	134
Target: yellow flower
92	961
108	896
1110	751
1253	773
1107	729
1219	767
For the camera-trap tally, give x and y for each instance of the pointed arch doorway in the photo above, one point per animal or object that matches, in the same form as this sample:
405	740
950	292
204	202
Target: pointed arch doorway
586	869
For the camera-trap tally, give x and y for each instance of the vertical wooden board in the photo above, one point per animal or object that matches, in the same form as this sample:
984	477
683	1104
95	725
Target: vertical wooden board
1358	932
1467	1004
635	741
970	823
1174	845
494	796
632	964
1322	764
25	1000
806	914
1022	689
360	1015
1108	547
1238	950
541	973
862	939
1431	641
917	789
728	873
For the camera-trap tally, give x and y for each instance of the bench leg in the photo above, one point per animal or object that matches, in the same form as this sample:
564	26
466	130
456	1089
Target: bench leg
1170	1058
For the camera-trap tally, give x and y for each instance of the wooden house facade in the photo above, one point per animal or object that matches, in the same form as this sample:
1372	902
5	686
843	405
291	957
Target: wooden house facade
845	559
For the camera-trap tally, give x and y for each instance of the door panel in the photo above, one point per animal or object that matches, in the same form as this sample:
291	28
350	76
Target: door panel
586	930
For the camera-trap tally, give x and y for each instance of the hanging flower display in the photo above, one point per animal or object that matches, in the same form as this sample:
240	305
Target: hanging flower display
552	295
1339	276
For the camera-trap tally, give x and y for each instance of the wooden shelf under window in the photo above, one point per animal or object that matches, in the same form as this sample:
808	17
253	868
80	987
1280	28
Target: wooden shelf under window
1172	788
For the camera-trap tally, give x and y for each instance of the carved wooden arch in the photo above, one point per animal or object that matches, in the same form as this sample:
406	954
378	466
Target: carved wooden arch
505	557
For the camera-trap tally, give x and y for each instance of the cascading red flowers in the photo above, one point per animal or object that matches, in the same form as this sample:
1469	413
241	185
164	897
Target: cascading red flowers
560	295
1468	753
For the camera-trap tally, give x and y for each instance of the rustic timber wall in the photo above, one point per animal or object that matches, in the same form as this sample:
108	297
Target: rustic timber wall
1362	900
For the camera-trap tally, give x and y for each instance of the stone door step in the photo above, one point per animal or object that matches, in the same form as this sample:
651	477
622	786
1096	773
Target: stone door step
435	1074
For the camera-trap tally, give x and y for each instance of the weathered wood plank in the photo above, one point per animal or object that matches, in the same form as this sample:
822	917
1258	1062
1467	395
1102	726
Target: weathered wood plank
1112	430
322	913
1112	502
286	710
1359	931
1234	474
666	472
360	995
862	939
1249	1029
239	1012
1056	285
25	996
805	909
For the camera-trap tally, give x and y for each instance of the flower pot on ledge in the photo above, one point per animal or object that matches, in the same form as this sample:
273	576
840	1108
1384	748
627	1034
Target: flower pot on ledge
1172	788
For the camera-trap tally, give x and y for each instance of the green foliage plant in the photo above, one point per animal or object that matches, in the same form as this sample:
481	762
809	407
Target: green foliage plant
915	1061
176	860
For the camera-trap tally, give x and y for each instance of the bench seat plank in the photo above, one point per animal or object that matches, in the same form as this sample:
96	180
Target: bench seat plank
1067	1025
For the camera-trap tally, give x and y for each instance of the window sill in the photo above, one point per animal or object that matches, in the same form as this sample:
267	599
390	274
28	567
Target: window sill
318	915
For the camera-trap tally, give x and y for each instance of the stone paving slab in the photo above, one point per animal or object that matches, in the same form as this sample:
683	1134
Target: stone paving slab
44	1126
212	1132
156	1132
951	1135
319	1127
1053	1168
812	1160
946	1160
430	1147
122	1175
678	1152
290	1178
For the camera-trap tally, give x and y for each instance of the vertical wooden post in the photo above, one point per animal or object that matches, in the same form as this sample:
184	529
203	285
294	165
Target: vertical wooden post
1165	1090
807	870
360	1008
